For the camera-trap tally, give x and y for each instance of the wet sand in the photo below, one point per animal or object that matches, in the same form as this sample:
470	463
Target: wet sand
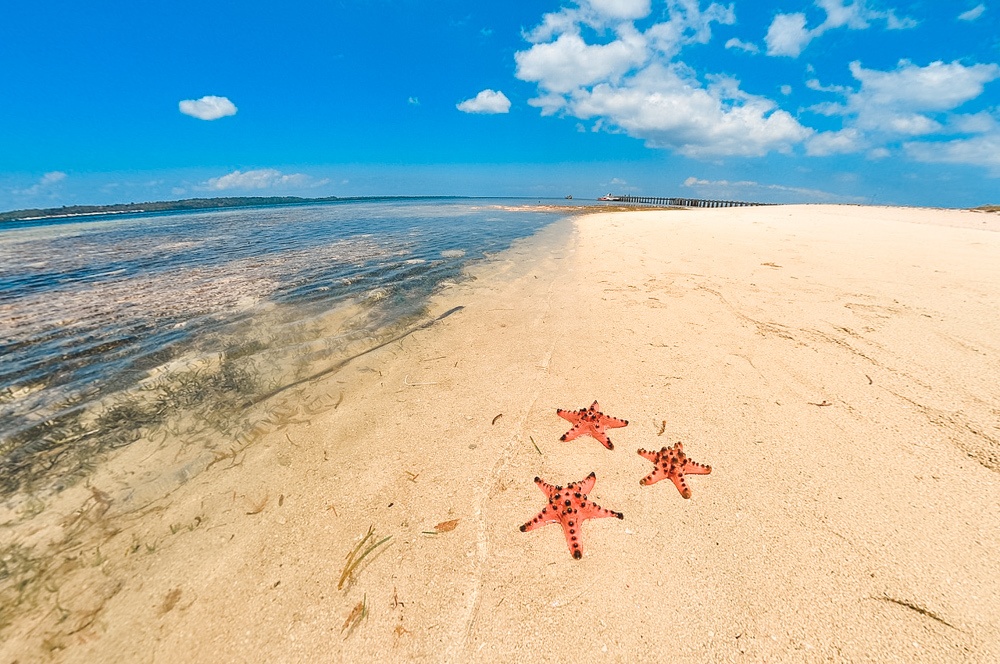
835	365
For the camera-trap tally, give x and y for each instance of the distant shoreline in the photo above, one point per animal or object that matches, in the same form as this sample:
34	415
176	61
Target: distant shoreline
196	204
187	204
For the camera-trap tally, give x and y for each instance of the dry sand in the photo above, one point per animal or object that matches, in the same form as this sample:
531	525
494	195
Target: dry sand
836	366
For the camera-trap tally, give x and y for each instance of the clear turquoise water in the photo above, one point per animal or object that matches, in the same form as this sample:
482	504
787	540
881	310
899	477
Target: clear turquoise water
113	326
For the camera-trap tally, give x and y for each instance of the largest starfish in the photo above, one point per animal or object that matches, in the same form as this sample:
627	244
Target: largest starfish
671	462
569	506
590	421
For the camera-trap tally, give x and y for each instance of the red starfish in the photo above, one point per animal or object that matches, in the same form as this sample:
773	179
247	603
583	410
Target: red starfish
569	507
590	421
673	463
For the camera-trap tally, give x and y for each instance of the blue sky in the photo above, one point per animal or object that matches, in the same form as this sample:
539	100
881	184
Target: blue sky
863	101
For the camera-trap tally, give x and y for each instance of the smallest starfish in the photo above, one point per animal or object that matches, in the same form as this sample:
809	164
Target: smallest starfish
673	463
590	421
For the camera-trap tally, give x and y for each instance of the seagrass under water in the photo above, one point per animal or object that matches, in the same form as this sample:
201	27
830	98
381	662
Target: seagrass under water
133	328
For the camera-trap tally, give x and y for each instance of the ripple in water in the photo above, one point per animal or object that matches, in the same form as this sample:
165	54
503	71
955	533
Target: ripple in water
126	330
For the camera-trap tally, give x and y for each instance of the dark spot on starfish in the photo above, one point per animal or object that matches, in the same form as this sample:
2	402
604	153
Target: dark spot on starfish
570	523
572	532
568	503
577	494
578	554
619	515
524	528
573	537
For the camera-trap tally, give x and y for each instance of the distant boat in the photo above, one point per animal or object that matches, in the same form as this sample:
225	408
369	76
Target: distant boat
570	197
609	197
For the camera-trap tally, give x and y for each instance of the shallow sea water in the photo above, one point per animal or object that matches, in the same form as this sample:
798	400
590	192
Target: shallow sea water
125	330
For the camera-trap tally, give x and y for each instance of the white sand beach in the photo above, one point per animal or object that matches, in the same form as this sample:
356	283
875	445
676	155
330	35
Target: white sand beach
836	366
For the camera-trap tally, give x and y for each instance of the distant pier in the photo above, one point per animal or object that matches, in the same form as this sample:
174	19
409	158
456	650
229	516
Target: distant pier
680	202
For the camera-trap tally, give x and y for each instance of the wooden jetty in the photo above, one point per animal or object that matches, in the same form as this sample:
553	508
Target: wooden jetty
682	202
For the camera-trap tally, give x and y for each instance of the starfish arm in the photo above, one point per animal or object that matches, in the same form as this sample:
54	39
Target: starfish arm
609	422
652	478
571	528
574	433
695	468
585	485
601	437
595	405
573	416
546	516
681	485
591	510
548	489
571	524
652	456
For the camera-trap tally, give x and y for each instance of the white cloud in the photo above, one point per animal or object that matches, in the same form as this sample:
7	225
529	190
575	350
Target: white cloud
598	14
978	151
827	143
487	102
44	184
747	188
788	35
669	111
786	90
974	123
209	107
627	80
814	84
742	45
413	101
907	102
620	185
569	62
973	13
901	100
912	101
936	87
621	9
893	22
264	178
695	182
828	108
